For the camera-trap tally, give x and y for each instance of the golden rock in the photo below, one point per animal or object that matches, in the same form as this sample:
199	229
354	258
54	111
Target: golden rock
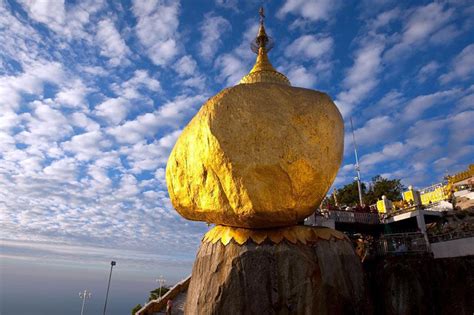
256	155
260	154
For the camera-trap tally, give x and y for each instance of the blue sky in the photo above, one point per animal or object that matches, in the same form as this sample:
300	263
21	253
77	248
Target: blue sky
94	94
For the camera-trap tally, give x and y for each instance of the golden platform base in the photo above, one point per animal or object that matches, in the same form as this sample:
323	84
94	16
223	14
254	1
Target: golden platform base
293	234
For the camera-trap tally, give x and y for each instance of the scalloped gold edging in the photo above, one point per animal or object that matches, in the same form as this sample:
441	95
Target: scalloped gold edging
293	234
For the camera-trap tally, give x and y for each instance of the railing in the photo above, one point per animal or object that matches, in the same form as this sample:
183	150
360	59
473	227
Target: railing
401	211
400	243
155	306
353	217
453	235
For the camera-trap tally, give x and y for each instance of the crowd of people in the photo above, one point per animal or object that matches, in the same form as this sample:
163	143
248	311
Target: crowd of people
357	208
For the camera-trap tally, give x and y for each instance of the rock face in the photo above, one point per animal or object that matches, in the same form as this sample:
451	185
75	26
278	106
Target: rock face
422	285
256	155
285	278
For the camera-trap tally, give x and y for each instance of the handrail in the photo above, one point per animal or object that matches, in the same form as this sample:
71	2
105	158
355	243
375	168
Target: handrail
353	217
400	243
449	236
157	305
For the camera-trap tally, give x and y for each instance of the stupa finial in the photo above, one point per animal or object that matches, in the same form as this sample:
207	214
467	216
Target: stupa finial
263	70
262	40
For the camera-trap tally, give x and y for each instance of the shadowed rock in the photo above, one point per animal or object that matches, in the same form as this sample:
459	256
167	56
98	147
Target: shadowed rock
322	278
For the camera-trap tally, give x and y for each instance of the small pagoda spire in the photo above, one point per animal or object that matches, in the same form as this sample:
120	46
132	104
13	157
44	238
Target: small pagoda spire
262	38
263	70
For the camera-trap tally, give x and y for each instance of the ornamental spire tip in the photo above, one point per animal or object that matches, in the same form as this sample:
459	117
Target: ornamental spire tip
263	70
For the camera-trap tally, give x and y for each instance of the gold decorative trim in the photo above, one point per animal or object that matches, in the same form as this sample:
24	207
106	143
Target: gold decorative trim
293	234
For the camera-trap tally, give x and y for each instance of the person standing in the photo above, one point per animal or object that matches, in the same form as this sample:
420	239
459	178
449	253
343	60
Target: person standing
169	306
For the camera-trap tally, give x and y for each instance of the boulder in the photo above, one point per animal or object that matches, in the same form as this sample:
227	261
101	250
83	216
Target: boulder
325	277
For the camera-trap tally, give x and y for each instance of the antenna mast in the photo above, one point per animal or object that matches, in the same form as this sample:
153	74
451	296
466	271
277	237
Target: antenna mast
357	166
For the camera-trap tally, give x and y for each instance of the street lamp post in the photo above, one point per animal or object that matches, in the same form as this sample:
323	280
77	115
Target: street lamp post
161	281
112	264
84	295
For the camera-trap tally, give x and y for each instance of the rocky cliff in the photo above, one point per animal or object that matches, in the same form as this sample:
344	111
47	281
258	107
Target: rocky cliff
422	285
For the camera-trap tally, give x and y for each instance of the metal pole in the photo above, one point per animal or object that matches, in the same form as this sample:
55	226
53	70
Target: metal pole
84	295
357	167
83	302
161	281
112	264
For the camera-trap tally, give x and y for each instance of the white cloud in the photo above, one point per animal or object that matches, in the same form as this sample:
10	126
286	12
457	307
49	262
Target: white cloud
234	65
462	128
50	12
361	78
143	156
157	29
313	10
198	82
228	4
130	88
310	47
395	150
375	130
232	68
300	76
87	145
73	95
31	81
20	41
420	104
212	29
422	23
111	43
384	18
186	66
61	170
466	102
389	101
171	114
113	110
462	66
427	71
8	120
83	121
45	124
66	20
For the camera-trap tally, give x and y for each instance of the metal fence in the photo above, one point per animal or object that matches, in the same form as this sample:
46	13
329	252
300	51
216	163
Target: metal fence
453	235
353	217
400	243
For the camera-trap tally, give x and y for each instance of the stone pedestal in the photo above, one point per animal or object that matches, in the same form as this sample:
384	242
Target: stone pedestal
323	277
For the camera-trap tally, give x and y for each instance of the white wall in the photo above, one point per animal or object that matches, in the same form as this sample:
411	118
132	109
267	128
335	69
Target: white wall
454	248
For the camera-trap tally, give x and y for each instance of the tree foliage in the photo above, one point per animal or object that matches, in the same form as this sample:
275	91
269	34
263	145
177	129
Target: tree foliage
155	294
349	194
379	186
392	188
136	308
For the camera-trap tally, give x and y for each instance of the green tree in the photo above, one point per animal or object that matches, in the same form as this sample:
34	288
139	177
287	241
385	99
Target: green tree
155	294
349	194
136	308
392	188
379	186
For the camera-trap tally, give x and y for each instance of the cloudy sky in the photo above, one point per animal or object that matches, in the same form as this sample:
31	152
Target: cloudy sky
93	96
